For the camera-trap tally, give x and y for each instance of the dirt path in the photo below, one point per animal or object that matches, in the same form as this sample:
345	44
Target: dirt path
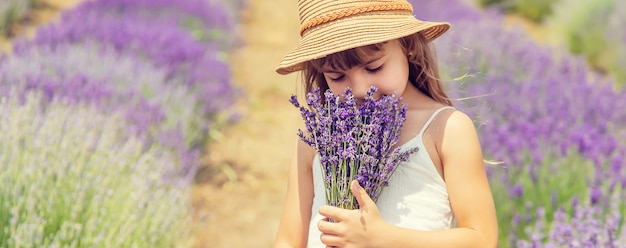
239	197
48	11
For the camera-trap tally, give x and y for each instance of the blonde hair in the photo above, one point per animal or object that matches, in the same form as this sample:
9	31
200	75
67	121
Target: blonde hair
423	69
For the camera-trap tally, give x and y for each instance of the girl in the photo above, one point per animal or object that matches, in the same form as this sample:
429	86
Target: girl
441	196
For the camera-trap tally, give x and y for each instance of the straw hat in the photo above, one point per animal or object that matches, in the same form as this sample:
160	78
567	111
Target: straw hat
330	26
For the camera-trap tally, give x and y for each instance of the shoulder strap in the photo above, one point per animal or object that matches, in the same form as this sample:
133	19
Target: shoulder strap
432	117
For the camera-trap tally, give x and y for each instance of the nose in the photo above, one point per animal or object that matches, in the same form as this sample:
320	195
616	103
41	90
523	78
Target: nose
360	84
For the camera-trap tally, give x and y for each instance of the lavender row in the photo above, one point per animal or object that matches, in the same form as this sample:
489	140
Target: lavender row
160	41
73	177
162	63
104	115
538	111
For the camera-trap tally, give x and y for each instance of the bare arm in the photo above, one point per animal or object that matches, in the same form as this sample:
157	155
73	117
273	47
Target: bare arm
467	183
468	190
294	223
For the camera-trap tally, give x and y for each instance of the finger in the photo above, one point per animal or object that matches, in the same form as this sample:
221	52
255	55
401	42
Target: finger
325	226
364	200
330	240
331	212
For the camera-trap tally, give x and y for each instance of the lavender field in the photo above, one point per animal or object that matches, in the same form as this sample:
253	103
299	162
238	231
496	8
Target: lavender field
118	125
556	127
105	115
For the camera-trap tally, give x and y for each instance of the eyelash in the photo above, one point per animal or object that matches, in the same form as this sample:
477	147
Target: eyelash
377	69
337	79
372	71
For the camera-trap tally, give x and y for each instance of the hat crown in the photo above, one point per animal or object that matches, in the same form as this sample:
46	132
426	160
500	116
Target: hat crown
330	26
315	12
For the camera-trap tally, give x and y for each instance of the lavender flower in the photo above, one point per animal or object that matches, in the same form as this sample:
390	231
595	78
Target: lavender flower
355	142
153	61
155	107
584	226
201	66
541	111
211	14
73	176
103	67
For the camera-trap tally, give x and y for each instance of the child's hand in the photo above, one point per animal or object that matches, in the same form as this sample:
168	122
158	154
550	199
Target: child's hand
353	228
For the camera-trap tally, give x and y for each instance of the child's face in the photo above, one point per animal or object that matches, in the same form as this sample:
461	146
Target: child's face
387	69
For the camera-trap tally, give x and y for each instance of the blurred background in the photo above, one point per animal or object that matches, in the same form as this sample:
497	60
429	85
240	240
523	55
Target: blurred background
161	123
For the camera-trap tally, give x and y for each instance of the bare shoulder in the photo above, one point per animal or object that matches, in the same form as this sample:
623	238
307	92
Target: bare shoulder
459	124
460	139
452	124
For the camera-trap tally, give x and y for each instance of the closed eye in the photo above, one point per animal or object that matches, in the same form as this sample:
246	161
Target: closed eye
374	70
337	79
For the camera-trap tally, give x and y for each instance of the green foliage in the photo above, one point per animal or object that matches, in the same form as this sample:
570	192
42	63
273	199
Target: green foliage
486	3
590	28
73	178
547	190
593	29
534	10
12	11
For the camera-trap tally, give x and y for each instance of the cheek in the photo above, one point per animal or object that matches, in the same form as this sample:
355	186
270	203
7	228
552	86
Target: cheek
393	82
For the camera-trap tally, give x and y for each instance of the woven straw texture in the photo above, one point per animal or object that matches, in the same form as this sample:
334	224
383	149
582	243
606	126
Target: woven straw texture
330	26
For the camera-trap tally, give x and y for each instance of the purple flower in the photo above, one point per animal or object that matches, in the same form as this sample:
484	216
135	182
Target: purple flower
212	15
199	65
355	142
536	111
516	191
160	62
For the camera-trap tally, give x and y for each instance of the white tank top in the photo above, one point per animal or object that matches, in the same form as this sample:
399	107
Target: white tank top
415	198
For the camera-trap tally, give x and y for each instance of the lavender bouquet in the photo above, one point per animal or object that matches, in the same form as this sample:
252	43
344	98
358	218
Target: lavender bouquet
354	141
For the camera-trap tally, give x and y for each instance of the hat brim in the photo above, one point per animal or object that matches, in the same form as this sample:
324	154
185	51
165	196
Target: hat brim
356	31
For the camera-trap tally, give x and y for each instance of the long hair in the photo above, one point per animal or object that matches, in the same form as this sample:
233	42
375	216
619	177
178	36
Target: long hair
423	69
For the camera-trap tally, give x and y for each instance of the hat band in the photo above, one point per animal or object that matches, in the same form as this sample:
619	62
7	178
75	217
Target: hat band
332	16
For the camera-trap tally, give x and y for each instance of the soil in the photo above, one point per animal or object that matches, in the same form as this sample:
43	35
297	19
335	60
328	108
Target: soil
44	11
239	195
